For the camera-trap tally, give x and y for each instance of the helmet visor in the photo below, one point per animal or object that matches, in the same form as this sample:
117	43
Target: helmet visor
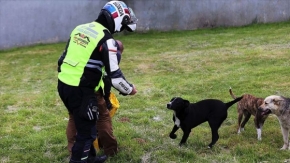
133	16
132	23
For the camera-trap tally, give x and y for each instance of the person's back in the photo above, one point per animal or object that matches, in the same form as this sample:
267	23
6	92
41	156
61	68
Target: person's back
82	59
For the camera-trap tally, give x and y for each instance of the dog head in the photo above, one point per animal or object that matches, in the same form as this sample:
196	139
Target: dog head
177	103
271	104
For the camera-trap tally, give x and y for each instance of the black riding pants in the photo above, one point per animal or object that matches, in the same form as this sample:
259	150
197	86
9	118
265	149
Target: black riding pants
80	101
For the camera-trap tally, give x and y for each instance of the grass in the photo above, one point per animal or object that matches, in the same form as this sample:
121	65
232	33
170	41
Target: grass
195	65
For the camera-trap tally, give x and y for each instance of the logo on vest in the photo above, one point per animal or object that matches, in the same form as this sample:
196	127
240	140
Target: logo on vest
81	39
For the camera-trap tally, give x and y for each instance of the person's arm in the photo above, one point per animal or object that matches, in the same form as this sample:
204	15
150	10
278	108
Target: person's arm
61	58
119	82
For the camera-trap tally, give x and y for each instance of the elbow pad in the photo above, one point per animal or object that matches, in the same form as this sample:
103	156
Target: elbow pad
122	85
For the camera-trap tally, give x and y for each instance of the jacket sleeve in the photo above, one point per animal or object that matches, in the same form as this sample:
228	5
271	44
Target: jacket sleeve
61	58
110	59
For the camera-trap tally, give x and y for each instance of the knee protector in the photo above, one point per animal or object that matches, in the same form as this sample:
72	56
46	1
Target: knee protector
89	110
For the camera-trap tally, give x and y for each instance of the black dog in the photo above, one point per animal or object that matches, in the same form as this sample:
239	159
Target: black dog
189	115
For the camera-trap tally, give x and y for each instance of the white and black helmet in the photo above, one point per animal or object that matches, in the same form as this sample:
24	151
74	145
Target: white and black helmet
122	17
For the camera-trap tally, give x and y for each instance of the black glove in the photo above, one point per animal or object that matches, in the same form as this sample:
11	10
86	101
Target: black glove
108	102
123	94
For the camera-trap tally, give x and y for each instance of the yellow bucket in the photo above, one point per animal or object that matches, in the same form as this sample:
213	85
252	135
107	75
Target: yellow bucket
115	107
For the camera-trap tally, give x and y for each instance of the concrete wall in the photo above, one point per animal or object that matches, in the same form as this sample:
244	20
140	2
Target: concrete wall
26	22
192	14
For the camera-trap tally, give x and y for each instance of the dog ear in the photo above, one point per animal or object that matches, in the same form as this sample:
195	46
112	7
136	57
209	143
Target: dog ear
277	101
186	103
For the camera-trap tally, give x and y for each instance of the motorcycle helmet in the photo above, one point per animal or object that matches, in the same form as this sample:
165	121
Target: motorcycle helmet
119	16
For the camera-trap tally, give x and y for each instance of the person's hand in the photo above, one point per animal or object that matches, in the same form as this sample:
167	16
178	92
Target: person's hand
134	91
109	104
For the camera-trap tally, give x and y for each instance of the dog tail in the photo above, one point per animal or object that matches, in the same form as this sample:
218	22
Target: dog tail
229	104
232	94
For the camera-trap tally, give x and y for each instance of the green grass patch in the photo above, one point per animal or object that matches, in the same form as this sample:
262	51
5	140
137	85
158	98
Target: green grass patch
195	65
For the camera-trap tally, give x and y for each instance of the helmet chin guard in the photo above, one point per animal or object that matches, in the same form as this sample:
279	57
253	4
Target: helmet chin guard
123	16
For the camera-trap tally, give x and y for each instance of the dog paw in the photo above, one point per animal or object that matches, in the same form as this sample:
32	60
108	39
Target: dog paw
209	146
284	147
240	130
173	136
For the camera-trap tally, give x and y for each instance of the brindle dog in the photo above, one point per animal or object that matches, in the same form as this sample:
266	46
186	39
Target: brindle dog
249	106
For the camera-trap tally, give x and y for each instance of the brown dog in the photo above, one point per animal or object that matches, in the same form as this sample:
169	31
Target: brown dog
249	106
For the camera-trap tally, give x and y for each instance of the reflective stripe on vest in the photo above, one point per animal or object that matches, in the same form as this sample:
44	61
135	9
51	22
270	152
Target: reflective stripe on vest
84	39
95	64
101	83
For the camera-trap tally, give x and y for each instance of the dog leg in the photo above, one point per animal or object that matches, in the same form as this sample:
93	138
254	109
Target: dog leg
185	136
172	134
258	128
246	119
214	125
285	133
259	133
214	139
240	117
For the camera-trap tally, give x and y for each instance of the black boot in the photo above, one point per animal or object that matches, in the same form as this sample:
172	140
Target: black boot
97	159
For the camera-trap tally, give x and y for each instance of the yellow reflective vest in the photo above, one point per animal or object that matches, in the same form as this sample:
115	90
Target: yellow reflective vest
83	41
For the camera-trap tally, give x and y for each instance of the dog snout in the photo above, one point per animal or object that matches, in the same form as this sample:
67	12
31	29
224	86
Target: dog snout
261	108
168	105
